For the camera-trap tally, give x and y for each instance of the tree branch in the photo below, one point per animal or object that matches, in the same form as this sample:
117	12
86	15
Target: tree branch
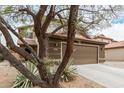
112	10
70	39
79	9
86	10
38	21
49	18
41	12
58	28
36	58
21	68
61	11
29	12
11	44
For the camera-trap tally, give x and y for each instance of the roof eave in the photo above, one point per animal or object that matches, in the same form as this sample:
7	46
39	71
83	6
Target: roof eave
79	39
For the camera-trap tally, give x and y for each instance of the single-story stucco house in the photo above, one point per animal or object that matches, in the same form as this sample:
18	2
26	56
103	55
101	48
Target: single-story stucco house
115	51
86	51
103	38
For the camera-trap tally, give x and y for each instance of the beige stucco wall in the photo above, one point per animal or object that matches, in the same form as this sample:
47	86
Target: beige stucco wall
116	54
86	53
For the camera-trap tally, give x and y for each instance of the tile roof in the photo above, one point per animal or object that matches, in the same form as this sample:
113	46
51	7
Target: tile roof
103	36
29	41
64	36
119	44
80	37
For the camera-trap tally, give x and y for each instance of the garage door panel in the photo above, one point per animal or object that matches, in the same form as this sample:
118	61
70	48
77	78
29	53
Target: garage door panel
115	54
83	54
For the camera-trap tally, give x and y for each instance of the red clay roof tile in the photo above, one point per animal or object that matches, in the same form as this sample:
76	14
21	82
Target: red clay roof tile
119	44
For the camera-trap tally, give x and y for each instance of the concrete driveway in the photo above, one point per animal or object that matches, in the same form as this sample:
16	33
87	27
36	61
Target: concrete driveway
118	64
105	75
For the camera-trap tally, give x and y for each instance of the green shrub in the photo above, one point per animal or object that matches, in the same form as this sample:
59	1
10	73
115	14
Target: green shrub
68	74
21	81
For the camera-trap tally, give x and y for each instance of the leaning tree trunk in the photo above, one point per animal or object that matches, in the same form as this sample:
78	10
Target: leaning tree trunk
43	42
40	31
70	39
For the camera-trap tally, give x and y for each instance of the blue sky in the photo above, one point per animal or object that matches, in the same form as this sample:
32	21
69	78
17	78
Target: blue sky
119	20
116	31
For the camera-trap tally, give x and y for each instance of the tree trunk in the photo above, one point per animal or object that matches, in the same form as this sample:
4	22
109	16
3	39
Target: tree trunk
21	68
40	31
43	45
43	42
70	39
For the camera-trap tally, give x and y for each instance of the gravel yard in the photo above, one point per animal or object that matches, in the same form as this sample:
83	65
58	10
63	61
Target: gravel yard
8	76
81	82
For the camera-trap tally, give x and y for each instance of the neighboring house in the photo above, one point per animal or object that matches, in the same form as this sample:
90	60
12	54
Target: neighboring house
86	51
115	51
103	38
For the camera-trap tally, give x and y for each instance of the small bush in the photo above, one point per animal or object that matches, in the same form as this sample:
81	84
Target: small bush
68	74
22	81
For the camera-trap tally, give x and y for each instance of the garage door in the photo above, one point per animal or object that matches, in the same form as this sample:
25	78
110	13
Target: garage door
83	54
115	54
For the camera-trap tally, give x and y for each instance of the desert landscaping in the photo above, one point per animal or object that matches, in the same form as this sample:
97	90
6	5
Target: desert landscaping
61	46
8	75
